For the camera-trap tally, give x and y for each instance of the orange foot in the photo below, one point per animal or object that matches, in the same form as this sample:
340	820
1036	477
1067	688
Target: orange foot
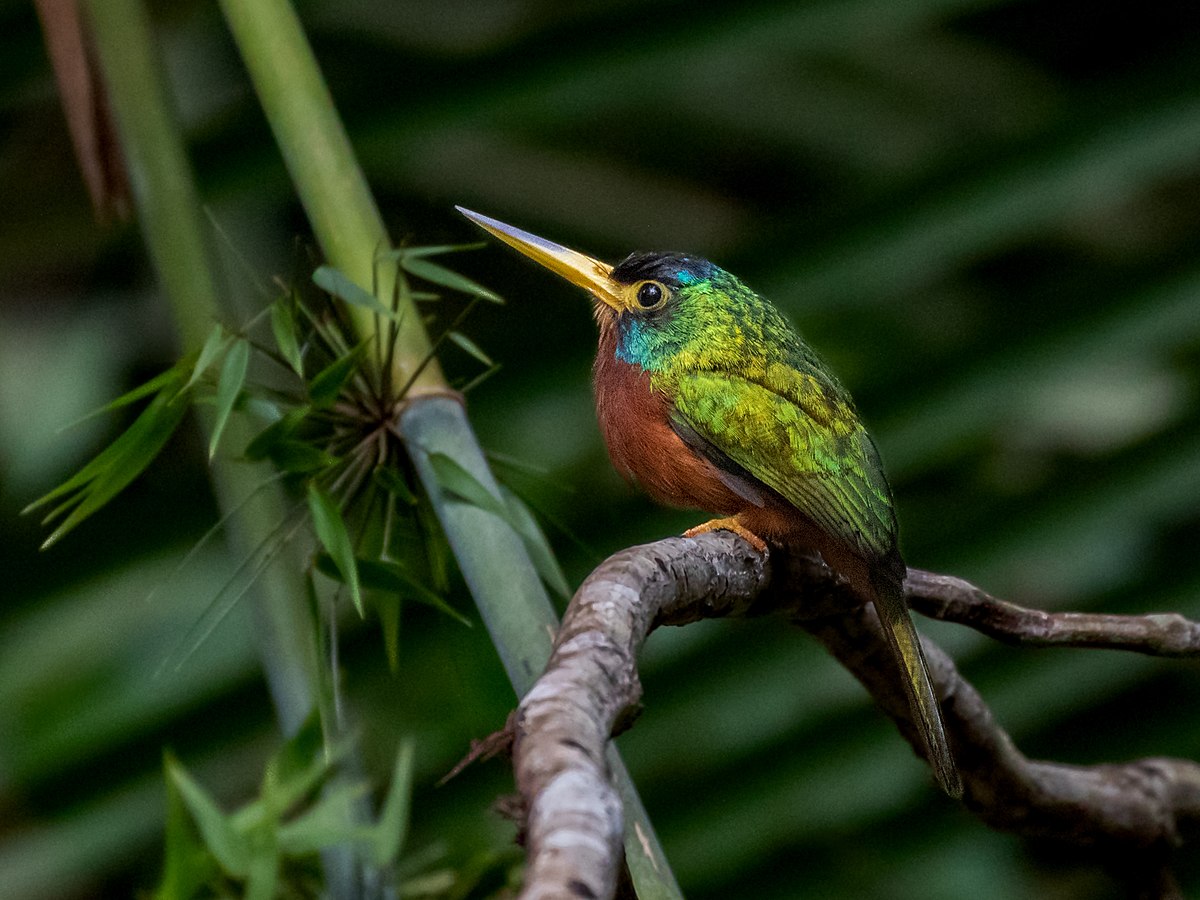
729	523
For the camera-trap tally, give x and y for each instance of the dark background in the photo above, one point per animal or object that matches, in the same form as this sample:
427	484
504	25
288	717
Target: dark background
985	215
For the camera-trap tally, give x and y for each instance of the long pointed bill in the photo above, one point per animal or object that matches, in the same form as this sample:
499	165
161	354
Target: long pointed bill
578	268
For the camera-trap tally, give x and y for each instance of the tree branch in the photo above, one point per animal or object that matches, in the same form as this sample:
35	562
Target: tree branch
1134	813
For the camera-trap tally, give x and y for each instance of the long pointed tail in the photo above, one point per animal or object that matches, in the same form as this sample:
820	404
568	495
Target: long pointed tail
906	645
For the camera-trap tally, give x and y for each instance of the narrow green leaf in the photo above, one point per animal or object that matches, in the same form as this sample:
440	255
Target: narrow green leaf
332	533
187	865
160	381
333	281
466	487
112	471
229	385
105	457
392	828
534	538
213	345
327	384
393	482
403	253
296	768
387	607
458	481
389	577
448	278
328	822
215	827
280	430
300	457
470	346
480	379
262	874
283	326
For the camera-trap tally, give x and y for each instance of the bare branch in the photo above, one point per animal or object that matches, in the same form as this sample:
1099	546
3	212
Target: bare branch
954	600
1133	813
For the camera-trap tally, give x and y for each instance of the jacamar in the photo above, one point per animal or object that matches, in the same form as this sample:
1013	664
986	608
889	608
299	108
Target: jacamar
708	399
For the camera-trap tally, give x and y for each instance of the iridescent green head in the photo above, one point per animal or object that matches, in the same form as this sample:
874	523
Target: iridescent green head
667	308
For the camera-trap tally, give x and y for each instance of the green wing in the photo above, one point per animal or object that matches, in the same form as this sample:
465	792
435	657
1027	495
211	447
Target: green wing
801	438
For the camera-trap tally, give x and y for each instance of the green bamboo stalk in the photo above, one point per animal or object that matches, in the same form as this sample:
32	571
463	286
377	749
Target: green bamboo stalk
491	556
171	224
169	211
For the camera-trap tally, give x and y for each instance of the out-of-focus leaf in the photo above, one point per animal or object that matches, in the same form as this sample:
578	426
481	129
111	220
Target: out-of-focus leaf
262	873
283	327
187	866
403	253
229	386
327	384
218	832
470	346
299	457
448	278
329	279
296	768
393	482
392	828
392	578
280	430
331	532
329	821
213	345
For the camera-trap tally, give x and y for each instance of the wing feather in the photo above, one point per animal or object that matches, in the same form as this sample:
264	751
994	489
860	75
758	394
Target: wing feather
802	439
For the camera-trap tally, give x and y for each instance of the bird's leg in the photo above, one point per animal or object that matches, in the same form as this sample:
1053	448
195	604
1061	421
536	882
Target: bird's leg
729	523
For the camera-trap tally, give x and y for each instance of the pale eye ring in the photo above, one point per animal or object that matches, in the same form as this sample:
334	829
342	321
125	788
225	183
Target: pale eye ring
651	295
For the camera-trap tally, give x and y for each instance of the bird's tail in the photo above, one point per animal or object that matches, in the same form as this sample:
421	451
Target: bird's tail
906	645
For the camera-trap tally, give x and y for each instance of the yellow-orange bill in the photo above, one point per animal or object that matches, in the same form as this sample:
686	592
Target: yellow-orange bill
578	268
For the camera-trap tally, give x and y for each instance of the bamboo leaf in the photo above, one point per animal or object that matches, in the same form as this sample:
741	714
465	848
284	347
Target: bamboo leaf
470	346
448	278
217	830
535	542
461	483
402	253
392	827
213	345
393	482
187	865
389	577
327	384
110	454
299	457
155	384
262	875
112	471
281	429
229	386
283	327
331	532
328	822
333	281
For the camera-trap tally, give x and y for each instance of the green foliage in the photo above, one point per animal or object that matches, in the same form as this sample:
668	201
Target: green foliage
301	809
982	215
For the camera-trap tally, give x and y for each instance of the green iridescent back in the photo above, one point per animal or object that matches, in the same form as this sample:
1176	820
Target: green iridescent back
742	378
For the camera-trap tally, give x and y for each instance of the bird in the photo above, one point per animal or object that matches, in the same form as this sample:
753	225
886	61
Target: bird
708	398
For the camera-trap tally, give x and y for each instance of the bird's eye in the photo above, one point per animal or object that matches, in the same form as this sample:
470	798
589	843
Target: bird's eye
650	295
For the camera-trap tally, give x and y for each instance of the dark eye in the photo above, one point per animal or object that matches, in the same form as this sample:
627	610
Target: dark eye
650	294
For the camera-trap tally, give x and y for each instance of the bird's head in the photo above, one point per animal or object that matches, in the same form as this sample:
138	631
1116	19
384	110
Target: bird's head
659	303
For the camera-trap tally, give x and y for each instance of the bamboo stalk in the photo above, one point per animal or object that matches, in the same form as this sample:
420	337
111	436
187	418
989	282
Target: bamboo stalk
502	579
